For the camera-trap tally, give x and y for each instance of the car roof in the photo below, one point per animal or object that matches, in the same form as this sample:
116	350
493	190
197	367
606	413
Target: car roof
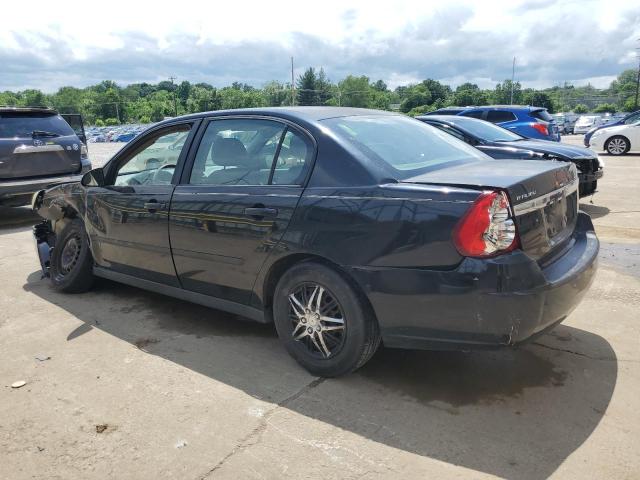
527	108
44	110
309	114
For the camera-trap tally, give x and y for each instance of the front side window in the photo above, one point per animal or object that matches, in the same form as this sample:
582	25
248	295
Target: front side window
250	152
155	161
408	146
499	116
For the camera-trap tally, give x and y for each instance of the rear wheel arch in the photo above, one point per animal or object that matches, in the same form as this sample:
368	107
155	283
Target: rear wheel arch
279	268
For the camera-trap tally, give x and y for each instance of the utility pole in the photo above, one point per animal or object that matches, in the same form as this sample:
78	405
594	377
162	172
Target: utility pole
635	103
513	75
117	113
175	102
293	102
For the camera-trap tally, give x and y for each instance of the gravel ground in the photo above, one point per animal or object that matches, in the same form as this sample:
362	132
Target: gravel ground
122	383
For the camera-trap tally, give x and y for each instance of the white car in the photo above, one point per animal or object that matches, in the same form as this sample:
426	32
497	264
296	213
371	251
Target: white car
617	140
586	123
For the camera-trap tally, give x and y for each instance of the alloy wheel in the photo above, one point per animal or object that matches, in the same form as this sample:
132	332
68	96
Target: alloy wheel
317	319
617	146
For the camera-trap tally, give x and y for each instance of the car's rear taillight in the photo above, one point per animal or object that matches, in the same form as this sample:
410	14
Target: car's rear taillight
541	128
487	228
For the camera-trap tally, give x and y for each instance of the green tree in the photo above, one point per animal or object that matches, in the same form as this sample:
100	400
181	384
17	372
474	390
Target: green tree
276	94
324	88
580	108
538	99
416	96
605	108
354	91
501	95
306	88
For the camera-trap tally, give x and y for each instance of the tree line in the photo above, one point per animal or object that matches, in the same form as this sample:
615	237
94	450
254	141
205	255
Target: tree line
108	103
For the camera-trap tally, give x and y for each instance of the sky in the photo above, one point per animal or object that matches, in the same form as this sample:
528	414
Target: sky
48	45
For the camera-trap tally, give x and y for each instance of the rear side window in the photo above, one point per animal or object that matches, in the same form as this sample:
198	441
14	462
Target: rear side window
541	114
499	116
473	114
22	125
250	152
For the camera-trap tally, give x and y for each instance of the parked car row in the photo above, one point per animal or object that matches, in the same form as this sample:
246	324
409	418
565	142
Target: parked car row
121	133
530	122
500	143
344	227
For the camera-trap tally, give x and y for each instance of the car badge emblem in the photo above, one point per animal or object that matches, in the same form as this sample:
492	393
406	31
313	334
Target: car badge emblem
38	143
75	146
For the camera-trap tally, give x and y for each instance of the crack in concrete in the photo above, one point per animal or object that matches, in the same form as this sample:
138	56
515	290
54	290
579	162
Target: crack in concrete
573	352
255	436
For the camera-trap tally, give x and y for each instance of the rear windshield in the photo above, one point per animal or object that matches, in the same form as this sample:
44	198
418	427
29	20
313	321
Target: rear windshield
22	125
485	130
408	146
542	114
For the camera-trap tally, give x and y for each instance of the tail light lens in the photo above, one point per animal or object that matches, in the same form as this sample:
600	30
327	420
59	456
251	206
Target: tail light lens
487	228
541	127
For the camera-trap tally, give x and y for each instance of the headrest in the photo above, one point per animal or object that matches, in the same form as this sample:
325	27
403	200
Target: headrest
229	152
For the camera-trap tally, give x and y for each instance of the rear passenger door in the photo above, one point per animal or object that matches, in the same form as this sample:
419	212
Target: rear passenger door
234	202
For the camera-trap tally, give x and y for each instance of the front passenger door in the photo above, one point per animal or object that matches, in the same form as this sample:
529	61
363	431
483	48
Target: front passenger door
128	226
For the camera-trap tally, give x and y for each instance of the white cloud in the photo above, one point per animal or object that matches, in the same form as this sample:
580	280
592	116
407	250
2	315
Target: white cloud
400	42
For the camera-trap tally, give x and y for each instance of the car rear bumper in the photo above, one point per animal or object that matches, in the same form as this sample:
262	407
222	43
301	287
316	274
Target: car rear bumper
13	190
482	303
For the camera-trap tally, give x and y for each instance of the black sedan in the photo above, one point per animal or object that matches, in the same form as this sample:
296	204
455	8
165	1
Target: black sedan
500	143
344	227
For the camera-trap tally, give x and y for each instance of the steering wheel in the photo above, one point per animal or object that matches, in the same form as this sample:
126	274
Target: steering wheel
157	176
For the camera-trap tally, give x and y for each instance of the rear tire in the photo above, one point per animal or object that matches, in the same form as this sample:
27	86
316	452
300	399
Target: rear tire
306	295
71	267
617	145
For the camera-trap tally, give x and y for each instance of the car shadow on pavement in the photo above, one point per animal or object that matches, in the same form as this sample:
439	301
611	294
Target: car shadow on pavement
594	211
516	413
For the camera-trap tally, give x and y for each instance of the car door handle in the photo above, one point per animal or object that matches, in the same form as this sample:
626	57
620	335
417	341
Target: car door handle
154	205
261	212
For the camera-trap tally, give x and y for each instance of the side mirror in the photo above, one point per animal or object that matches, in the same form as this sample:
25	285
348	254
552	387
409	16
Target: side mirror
93	178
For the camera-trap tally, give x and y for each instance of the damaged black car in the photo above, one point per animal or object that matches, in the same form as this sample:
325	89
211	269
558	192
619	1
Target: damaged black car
347	228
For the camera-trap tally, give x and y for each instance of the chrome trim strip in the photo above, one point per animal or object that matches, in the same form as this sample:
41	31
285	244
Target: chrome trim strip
544	200
34	149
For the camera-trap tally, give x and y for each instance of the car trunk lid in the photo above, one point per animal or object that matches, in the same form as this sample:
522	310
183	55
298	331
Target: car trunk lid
543	196
38	157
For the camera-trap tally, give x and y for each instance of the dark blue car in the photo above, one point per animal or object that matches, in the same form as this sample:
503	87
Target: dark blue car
628	120
530	122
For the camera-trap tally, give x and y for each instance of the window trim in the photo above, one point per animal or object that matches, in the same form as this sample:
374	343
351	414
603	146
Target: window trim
185	174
